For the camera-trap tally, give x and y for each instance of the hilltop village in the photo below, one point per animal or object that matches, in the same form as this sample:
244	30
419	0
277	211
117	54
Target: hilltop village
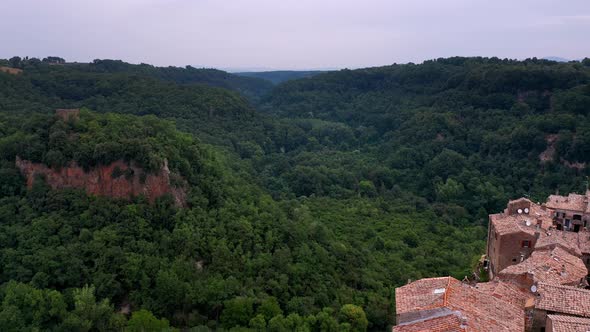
538	258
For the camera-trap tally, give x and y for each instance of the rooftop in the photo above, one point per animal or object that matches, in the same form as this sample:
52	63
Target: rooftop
421	295
564	239
563	299
507	222
569	324
555	266
508	292
572	202
448	323
478	310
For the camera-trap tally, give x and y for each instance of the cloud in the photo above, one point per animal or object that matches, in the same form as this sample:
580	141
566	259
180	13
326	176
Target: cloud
293	34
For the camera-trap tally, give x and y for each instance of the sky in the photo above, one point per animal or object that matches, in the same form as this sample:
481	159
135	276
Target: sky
293	34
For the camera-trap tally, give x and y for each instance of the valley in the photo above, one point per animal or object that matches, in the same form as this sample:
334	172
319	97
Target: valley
196	199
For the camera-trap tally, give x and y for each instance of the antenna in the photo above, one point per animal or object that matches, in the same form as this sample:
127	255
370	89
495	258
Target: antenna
528	222
519	211
533	288
526	210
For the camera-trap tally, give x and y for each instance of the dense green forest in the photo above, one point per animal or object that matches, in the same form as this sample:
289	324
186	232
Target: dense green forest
280	76
308	203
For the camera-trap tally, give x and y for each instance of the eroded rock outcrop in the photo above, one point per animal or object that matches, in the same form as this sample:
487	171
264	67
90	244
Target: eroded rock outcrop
119	180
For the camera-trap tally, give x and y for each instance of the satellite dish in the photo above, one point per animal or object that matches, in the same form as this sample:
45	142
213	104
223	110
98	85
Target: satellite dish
528	222
526	210
519	211
533	288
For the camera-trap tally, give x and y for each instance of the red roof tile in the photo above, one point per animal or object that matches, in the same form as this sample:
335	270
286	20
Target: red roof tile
507	292
479	310
563	299
566	240
569	324
448	323
421	295
571	202
505	223
584	241
555	266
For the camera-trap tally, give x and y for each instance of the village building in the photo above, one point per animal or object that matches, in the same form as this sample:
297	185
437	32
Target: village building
571	212
560	323
560	300
555	266
512	234
458	306
538	258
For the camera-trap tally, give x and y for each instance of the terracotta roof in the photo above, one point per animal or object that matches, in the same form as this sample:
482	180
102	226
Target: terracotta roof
421	295
479	311
448	323
555	266
507	292
572	202
566	240
569	323
505	223
584	241
563	299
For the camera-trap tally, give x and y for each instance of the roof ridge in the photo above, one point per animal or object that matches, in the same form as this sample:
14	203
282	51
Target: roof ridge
563	286
455	313
448	289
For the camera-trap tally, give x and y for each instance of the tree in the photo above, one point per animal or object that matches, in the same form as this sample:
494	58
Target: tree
237	312
144	321
449	191
326	321
27	306
355	316
258	323
367	188
88	315
269	308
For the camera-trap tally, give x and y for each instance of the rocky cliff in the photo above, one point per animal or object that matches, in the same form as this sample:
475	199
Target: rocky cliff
119	180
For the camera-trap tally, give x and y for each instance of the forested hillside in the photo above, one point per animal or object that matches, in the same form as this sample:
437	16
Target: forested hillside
305	208
465	131
280	76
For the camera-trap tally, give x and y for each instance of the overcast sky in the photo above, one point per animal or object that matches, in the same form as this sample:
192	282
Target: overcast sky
293	34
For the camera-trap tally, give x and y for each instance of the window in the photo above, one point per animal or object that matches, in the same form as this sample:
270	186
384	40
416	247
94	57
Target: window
567	223
526	244
577	217
514	260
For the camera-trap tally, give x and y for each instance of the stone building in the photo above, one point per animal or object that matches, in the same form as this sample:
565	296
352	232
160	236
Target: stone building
571	212
538	258
560	323
556	302
512	234
446	304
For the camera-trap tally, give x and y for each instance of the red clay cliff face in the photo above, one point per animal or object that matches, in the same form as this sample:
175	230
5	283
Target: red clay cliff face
100	181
